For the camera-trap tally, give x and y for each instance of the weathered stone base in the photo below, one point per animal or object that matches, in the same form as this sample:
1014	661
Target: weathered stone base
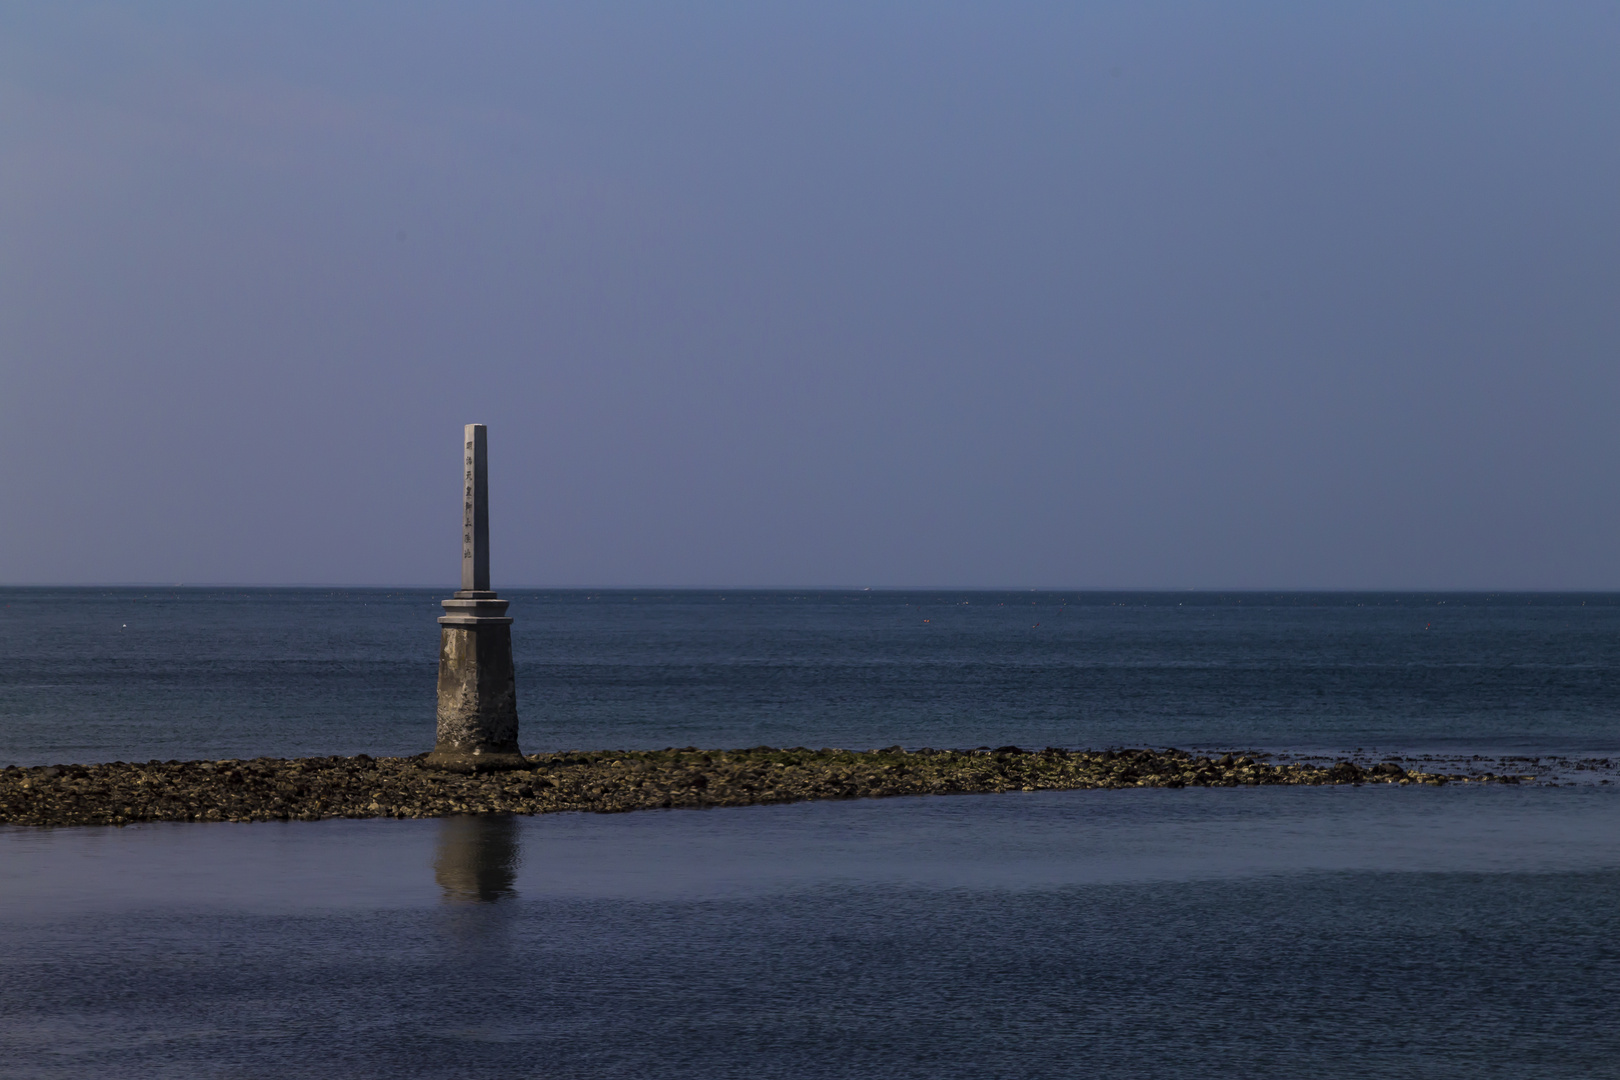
477	715
458	761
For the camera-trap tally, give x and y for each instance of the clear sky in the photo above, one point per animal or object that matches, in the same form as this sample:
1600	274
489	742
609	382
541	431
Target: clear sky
1074	294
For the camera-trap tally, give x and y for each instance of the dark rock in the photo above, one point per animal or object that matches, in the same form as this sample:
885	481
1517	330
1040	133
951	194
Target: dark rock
267	789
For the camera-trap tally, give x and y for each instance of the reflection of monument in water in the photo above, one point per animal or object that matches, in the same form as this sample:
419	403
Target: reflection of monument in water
477	858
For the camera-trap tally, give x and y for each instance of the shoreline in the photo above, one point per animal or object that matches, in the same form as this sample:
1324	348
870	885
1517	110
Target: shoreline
312	789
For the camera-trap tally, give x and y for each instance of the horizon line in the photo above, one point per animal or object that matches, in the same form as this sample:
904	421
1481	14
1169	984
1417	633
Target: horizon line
451	587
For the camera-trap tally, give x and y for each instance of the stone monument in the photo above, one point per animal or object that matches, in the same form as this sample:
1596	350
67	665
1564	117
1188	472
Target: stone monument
478	722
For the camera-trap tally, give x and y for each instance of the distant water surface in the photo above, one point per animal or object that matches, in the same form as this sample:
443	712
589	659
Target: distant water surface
1464	931
133	674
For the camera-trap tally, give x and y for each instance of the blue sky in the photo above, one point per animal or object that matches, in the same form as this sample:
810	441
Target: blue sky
1114	295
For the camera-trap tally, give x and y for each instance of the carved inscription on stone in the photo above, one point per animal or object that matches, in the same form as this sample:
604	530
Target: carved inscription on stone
467	517
474	510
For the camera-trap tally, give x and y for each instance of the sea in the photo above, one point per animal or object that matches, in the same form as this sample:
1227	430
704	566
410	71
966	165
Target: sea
1464	930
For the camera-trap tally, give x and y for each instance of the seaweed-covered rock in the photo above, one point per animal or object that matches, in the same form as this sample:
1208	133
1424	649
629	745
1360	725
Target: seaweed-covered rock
307	789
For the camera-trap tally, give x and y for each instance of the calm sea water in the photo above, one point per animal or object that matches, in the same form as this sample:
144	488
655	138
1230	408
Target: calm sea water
108	674
1459	931
1226	933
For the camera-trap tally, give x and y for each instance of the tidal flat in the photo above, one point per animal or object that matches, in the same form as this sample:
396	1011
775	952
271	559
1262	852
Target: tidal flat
310	789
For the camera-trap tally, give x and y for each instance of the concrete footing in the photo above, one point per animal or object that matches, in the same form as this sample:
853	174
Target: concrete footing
477	715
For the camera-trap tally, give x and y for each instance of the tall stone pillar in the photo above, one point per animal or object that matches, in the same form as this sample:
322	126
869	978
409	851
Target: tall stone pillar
478	722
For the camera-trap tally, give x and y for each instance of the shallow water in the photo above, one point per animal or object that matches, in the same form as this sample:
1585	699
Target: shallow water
1265	932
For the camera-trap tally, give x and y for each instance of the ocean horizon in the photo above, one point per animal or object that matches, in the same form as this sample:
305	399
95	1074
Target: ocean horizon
1463	930
101	673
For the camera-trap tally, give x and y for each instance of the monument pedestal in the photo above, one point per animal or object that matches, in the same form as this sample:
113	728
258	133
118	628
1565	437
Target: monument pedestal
478	721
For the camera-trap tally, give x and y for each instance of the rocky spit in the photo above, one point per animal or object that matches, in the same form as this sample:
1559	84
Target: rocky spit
309	789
